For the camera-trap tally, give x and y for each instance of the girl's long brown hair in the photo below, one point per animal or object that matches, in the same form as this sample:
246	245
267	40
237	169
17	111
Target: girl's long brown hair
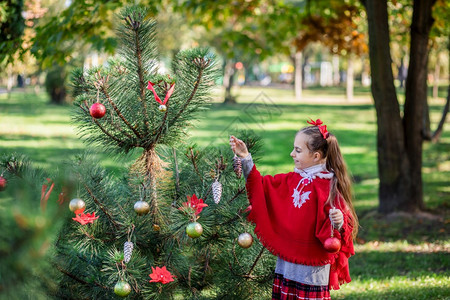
340	183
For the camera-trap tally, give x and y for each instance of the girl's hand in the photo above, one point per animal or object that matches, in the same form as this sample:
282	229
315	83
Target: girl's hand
336	217
238	147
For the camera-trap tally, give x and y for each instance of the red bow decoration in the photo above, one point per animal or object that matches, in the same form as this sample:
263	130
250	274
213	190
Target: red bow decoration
322	128
45	195
169	92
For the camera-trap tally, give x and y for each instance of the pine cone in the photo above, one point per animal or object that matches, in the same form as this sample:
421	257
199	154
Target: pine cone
237	166
217	191
127	251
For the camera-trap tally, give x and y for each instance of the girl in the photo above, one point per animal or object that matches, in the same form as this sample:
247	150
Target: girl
295	213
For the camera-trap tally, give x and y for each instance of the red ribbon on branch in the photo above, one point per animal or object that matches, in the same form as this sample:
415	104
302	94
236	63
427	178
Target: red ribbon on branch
166	98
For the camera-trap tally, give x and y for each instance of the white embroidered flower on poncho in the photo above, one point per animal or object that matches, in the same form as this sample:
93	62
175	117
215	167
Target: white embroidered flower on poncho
300	199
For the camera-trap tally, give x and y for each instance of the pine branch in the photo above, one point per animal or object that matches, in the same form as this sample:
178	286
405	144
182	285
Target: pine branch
240	190
177	178
193	158
208	255
88	235
236	259
116	225
65	272
84	109
108	97
102	128
197	83
161	128
256	261
119	141
122	131
141	76
231	220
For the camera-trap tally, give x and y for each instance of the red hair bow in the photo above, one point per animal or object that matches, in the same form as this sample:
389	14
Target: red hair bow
322	128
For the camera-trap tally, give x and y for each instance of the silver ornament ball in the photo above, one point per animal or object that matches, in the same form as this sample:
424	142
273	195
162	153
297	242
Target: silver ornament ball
76	204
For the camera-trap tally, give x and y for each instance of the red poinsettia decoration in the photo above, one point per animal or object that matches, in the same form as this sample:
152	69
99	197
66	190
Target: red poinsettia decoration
195	204
161	275
83	218
322	128
166	98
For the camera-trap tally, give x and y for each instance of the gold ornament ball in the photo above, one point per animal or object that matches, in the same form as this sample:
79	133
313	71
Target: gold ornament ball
76	204
122	289
162	108
245	240
141	207
194	230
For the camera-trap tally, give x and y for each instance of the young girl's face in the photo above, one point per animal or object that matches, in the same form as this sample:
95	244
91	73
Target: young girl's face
303	157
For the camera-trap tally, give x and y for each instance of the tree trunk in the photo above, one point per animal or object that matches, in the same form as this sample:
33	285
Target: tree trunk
298	79
426	129
350	79
9	81
416	96
228	81
437	70
335	63
440	127
55	84
393	167
305	62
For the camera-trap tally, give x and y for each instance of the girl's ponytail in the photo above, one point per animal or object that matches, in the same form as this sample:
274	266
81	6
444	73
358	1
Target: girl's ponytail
321	140
340	183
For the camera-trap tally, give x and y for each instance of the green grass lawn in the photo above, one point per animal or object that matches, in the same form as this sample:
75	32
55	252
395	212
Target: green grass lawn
399	257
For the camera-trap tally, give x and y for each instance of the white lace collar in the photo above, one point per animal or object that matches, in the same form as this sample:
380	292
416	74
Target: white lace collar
313	171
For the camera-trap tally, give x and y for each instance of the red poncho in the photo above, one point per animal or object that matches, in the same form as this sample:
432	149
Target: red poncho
297	233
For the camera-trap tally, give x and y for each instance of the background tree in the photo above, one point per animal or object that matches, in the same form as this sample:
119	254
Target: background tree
238	30
30	219
12	25
399	139
337	26
17	22
68	34
440	43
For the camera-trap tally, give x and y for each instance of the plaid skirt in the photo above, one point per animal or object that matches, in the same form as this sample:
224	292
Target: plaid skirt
285	289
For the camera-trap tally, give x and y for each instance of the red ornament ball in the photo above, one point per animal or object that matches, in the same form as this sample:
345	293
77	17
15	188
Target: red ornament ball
97	110
2	183
332	245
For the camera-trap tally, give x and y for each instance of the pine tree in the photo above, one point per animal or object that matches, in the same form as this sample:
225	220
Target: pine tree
142	226
30	217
